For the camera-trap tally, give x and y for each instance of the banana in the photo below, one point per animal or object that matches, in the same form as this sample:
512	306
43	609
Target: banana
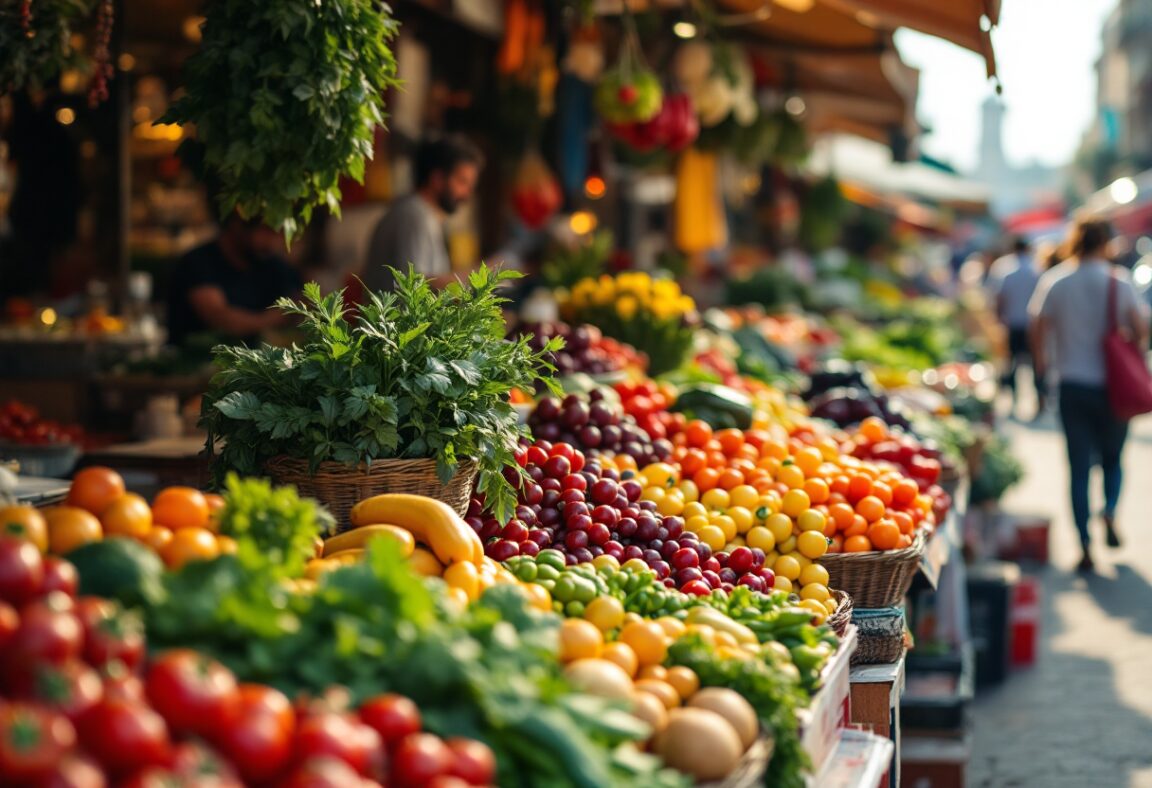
359	537
432	522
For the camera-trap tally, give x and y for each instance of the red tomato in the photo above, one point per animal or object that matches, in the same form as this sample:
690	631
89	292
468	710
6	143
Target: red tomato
419	758
340	736
75	771
9	623
110	633
32	742
260	741
193	693
120	684
125	736
323	772
71	689
49	633
472	761
392	716
60	575
21	570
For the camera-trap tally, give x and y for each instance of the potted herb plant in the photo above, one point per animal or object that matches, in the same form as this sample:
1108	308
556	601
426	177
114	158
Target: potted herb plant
410	395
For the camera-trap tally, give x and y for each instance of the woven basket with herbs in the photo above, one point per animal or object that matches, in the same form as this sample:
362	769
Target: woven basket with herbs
417	374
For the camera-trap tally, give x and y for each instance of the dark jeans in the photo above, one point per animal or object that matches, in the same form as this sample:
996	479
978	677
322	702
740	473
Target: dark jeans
1020	352
1095	437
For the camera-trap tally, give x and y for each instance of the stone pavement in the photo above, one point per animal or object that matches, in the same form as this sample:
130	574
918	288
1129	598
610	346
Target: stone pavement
1083	715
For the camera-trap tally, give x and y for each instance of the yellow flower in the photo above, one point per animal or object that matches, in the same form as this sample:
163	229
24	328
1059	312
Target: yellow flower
686	304
626	307
665	289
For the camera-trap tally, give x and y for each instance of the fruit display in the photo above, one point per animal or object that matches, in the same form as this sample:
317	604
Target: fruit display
648	402
597	424
585	349
20	424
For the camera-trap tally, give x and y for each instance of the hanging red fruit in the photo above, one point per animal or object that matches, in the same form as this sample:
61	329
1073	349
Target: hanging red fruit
536	194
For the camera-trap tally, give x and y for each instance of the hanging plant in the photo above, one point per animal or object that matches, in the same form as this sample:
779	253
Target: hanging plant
36	40
286	96
629	92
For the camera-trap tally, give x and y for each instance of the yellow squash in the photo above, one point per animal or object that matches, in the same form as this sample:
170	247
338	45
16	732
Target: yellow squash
359	537
432	522
424	563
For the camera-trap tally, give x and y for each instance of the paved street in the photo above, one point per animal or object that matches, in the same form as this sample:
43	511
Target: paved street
1083	715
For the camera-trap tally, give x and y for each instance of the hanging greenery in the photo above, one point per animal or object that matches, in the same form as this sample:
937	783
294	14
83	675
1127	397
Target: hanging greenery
286	96
36	41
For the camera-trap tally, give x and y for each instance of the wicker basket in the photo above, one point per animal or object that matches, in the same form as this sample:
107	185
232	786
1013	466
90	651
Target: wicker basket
880	636
750	770
874	579
340	488
842	618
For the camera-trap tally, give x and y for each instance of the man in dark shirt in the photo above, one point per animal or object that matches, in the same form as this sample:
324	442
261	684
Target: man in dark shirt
227	286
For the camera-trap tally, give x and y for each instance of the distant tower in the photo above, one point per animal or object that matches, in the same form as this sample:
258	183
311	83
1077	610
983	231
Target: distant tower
992	164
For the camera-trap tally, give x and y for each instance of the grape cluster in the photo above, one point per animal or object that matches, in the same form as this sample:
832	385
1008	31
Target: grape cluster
595	424
585	350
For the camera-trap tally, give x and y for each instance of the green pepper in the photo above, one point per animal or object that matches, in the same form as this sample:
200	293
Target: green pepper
807	658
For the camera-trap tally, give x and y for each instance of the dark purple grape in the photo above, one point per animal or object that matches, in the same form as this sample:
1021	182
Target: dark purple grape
503	550
621	501
575	415
752	581
668	582
603	491
646	529
661	533
540	537
590	436
758	557
529	548
727	576
712	578
613	474
633	551
661	568
576	509
527	514
549	430
635	449
650	556
582	555
611	436
547	409
687	575
596	550
596	394
689	538
550	518
574	540
536	473
626	527
533	494
600	414
675	526
668	550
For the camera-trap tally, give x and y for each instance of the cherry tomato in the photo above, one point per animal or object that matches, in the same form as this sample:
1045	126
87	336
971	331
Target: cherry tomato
121	684
21	570
71	689
472	761
49	633
75	771
392	716
125	736
340	736
60	575
193	693
32	741
260	741
322	771
110	633
419	758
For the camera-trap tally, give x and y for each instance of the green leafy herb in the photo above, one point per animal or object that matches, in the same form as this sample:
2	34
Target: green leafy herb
420	373
272	527
38	47
286	96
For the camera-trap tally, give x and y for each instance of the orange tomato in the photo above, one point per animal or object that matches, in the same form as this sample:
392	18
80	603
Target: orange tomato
790	475
774	449
227	545
190	544
128	515
684	681
839	486
698	433
647	639
70	527
623	655
859	486
25	522
693	462
706	479
870	508
748	452
730	478
93	489
883	492
837	544
817	490
731	441
884	535
904	492
874	429
158	538
809	460
216	505
904	542
857	544
180	507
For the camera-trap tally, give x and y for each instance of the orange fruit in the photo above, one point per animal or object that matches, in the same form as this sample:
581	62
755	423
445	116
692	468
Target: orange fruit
883	492
94	489
128	515
859	486
857	544
25	522
227	546
684	681
904	492
70	527
731	441
790	475
870	508
903	521
817	490
190	544
158	538
579	639
657	672
216	505
706	479
698	433
842	514
884	535
647	639
809	460
874	429
623	655
180	507
693	461
663	691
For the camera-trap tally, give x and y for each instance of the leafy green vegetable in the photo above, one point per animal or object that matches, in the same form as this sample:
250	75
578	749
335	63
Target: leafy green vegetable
420	373
997	471
587	259
286	96
272	527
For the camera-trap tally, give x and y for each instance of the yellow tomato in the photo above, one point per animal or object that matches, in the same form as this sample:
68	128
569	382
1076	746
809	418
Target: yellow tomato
605	612
672	504
579	639
694	508
780	525
811	520
696	522
673	627
654	494
814	573
790	475
815	591
787	566
716	499
712	536
726	524
782	584
623	655
647	639
795	502
745	495
742	517
812	544
684	681
762	538
787	546
465	576
690	490
660	474
819	612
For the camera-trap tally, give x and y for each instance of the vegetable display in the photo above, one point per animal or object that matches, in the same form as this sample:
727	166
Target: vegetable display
418	373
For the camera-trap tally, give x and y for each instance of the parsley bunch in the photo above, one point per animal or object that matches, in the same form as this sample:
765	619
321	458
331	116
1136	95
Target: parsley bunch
286	96
419	373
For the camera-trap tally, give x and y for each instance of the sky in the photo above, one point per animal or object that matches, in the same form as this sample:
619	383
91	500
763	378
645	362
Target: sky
1045	51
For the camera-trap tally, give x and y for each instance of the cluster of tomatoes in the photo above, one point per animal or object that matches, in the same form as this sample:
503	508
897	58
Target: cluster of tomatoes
181	524
81	705
648	401
21	423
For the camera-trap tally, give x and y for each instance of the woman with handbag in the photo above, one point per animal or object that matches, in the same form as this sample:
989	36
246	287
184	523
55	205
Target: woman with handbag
1088	313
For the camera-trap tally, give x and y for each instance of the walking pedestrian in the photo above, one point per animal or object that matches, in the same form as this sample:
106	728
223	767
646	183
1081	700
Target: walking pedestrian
1013	281
1070	309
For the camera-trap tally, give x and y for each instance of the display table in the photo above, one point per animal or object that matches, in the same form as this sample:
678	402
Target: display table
875	692
40	492
860	760
151	465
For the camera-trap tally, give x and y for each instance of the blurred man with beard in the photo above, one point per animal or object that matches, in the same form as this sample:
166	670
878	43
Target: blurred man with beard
226	287
412	232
